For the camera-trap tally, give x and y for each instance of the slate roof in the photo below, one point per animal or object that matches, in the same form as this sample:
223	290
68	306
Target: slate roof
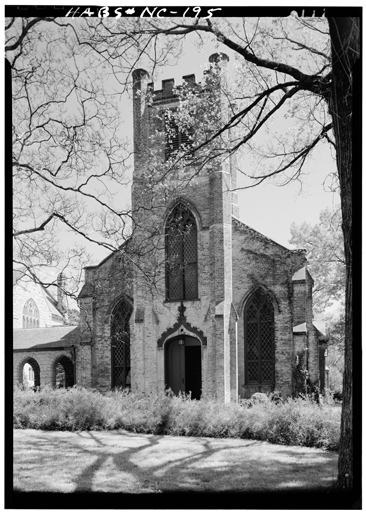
18	276
53	308
300	274
45	338
318	324
300	329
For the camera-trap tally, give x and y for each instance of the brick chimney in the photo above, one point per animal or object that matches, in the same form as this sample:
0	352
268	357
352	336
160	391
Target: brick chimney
61	284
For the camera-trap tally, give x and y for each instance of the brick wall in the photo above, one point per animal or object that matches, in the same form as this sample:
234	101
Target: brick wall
259	262
105	285
303	314
46	361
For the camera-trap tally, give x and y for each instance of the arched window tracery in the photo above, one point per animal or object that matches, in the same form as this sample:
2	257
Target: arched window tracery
181	255
120	343
30	314
259	339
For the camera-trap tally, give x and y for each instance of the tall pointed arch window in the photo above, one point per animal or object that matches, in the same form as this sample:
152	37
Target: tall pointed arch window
120	342
259	340
181	255
30	314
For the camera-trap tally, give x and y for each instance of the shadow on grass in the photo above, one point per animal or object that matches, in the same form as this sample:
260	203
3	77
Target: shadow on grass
195	464
148	465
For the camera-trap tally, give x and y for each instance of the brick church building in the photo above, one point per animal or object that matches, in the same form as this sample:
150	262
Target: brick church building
229	311
42	342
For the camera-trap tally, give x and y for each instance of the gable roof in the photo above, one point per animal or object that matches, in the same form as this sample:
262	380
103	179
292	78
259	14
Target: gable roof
52	303
299	274
86	290
320	326
113	253
302	275
45	338
88	287
239	224
300	329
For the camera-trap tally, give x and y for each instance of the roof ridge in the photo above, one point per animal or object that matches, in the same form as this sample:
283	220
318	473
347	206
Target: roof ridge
112	252
37	281
261	235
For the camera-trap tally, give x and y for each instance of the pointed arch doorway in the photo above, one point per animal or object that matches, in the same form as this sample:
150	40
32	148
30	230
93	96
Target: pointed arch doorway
183	366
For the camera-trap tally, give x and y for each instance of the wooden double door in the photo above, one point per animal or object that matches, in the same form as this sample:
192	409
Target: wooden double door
183	367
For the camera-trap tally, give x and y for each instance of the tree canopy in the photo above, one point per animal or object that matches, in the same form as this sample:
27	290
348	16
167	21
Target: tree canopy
325	253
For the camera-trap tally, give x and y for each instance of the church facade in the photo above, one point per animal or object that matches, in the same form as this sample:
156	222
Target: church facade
220	310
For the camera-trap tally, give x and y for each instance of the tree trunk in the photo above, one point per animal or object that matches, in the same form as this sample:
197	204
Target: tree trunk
345	39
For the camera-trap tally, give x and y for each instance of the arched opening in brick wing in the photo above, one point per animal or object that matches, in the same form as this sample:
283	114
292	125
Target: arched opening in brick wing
259	341
183	366
30	374
64	372
120	345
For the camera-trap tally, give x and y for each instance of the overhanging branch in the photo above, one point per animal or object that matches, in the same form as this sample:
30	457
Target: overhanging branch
25	31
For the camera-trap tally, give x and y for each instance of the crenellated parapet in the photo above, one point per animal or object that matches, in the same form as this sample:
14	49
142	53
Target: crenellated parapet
145	92
170	91
151	103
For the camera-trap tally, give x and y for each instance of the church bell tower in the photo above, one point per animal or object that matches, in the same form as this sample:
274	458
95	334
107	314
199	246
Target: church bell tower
202	208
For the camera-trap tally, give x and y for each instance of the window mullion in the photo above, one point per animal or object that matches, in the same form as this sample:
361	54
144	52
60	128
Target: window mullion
181	258
259	325
182	280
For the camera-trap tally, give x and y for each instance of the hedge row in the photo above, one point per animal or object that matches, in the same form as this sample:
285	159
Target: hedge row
293	422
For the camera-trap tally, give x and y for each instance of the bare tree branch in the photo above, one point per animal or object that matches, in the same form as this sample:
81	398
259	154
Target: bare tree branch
36	229
24	33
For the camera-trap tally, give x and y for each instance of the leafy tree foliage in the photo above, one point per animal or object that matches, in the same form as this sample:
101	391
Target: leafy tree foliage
325	253
73	317
335	360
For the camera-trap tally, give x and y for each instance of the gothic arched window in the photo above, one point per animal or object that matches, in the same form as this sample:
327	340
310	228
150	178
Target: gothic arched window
259	339
181	255
30	314
120	342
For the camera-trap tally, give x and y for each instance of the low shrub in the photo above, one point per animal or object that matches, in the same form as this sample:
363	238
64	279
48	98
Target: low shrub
300	421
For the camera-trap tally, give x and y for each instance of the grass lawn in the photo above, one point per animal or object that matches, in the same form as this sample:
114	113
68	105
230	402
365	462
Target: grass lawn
123	462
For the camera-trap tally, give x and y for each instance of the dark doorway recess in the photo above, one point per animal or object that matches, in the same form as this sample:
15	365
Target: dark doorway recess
183	368
64	372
